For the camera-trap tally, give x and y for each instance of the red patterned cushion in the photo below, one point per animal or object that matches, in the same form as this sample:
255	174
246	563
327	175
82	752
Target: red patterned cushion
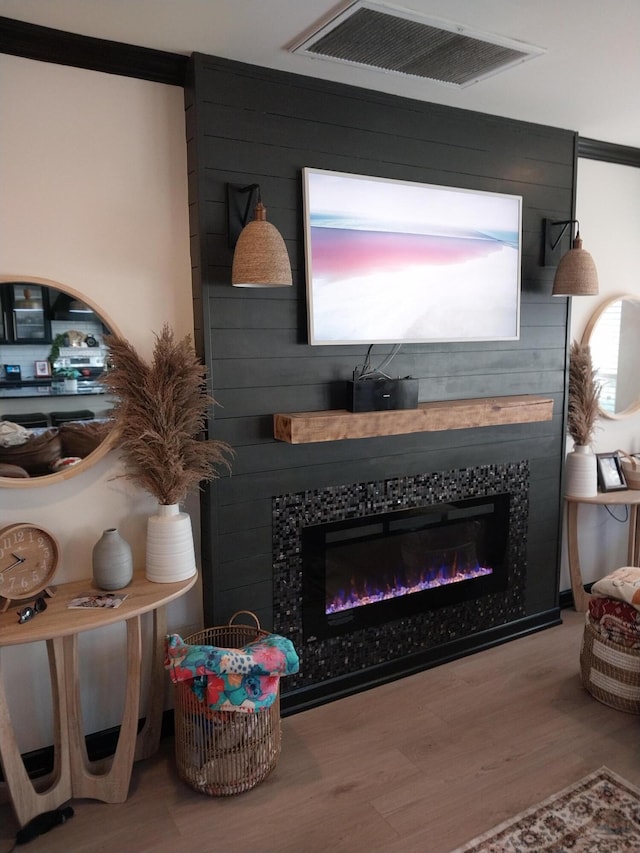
616	621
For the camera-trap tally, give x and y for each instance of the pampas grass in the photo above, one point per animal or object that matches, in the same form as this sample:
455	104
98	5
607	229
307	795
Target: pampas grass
160	415
584	393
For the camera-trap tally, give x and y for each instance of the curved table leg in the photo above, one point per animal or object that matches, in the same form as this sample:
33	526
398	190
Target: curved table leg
88	778
633	550
580	597
149	736
26	801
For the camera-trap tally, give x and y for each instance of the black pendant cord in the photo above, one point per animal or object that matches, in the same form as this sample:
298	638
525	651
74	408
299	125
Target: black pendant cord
615	517
367	370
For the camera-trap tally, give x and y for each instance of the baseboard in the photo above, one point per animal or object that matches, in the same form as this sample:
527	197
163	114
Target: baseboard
566	599
102	744
566	596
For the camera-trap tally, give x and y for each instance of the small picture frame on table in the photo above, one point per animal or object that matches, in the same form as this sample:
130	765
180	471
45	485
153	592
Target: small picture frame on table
43	368
610	474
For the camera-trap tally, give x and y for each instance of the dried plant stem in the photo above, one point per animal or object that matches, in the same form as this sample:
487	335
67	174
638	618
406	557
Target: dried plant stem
584	393
160	416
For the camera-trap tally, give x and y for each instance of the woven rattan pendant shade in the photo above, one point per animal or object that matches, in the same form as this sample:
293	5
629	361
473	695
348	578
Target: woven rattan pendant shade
576	274
260	258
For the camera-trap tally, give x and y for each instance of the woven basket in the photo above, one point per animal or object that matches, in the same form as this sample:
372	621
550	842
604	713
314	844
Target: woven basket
221	753
610	672
630	469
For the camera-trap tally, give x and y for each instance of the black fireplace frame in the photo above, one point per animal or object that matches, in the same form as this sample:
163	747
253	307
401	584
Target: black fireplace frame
336	666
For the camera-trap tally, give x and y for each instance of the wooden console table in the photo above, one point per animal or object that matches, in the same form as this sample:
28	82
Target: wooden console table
628	497
73	774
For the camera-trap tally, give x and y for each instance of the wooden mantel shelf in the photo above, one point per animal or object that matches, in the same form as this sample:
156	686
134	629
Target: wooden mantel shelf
336	425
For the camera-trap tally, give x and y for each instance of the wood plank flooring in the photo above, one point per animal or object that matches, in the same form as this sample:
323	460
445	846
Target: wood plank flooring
422	764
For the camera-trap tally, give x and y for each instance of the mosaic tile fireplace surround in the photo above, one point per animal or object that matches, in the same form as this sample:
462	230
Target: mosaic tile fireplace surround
435	626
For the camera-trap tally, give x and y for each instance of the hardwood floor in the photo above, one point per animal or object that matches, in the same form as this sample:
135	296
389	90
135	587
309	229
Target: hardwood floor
422	764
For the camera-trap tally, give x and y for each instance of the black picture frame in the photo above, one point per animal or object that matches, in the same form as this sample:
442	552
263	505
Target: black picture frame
610	474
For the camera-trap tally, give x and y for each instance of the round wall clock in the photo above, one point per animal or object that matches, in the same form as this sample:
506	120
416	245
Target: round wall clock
29	557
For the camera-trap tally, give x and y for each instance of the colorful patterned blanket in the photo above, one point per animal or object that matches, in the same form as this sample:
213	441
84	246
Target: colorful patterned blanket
244	680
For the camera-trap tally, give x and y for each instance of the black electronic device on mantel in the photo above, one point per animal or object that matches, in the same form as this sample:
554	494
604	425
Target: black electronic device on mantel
383	394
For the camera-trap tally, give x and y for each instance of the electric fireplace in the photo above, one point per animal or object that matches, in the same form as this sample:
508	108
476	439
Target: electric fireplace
373	569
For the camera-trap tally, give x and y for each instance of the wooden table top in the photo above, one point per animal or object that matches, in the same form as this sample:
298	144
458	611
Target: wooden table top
58	620
618	498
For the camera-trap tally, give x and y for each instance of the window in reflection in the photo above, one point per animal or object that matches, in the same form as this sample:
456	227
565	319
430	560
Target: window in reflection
613	335
605	354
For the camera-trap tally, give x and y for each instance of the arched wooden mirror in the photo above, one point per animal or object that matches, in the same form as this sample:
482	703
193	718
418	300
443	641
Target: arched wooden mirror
54	412
613	335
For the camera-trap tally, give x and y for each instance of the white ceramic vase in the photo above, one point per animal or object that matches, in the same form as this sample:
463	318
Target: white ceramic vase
112	561
170	552
581	473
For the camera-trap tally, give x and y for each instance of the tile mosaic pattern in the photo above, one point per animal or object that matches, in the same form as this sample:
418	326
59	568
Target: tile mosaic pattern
325	659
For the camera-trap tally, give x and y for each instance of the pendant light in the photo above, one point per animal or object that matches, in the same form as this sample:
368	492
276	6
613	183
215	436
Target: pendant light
576	274
260	257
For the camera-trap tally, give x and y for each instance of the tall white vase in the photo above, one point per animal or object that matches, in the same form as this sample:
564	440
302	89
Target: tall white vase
170	551
581	473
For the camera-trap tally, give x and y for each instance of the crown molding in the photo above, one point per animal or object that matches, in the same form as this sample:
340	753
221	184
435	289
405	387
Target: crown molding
624	155
62	48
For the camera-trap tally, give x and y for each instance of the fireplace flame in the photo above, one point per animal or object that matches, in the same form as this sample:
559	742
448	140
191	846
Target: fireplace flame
429	579
394	567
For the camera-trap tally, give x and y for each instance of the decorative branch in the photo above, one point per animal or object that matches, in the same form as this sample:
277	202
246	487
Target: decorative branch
160	416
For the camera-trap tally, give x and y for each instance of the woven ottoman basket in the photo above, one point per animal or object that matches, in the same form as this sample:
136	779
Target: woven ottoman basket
221	753
610	672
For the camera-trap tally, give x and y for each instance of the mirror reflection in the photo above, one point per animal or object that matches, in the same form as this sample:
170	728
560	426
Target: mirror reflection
613	334
54	412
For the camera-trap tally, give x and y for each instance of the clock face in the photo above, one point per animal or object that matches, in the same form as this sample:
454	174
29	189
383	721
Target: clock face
28	559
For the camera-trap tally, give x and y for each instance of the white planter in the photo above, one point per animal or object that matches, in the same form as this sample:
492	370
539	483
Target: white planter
170	551
581	473
70	385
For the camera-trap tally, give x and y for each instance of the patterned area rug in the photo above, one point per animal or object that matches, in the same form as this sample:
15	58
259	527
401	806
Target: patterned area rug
598	814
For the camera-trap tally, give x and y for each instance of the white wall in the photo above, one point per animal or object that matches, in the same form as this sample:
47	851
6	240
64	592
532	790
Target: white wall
608	208
93	195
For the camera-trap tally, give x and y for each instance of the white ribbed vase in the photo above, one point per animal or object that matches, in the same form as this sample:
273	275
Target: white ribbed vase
170	552
581	473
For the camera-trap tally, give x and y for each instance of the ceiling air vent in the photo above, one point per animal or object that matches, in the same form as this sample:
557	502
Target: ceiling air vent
398	41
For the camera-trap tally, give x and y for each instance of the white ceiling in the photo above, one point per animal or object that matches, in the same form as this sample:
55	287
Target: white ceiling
588	80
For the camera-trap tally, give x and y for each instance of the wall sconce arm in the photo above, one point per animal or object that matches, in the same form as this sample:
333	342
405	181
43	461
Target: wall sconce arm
551	256
238	210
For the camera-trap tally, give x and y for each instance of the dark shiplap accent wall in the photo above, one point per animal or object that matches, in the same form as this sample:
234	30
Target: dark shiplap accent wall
247	124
